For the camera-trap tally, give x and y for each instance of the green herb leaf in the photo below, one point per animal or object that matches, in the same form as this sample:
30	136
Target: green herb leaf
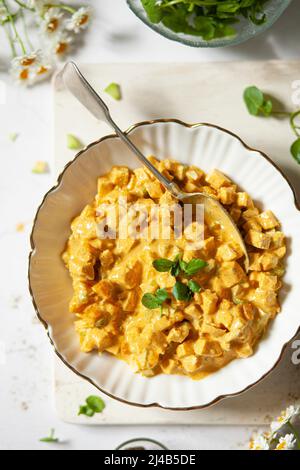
256	102
295	150
50	439
162	295
94	404
151	301
73	143
209	19
181	291
86	411
153	10
194	266
163	265
194	286
114	90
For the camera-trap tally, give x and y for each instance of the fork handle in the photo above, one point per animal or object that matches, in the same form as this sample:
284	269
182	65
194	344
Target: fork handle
77	84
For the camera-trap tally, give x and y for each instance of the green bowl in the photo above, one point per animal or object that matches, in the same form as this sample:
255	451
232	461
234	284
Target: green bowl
245	29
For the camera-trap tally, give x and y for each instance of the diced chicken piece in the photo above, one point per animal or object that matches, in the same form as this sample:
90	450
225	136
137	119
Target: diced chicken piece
169	366
104	186
228	252
268	220
227	195
244	350
107	259
255	262
249	311
208	246
244	200
191	187
258	239
250	213
96	339
194	232
278	239
131	301
165	280
208	190
217	179
190	363
231	273
217	286
224	318
208	302
106	290
185	349
120	175
212	330
280	252
267	301
192	312
194	174
133	275
235	213
206	348
125	245
267	281
154	189
269	261
252	224
179	333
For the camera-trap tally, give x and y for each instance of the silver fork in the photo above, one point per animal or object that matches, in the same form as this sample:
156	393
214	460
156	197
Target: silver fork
214	212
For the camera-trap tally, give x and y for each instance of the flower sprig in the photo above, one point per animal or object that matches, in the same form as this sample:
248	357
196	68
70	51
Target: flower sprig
56	27
278	438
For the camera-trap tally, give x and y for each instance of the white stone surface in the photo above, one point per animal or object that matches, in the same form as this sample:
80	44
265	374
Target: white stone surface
26	394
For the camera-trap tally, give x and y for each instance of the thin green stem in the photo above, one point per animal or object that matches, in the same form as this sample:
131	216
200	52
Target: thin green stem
62	6
12	22
281	113
23	5
26	31
11	42
295	432
294	126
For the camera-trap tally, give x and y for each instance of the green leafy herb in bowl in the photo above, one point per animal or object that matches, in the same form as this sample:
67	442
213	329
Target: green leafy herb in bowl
209	23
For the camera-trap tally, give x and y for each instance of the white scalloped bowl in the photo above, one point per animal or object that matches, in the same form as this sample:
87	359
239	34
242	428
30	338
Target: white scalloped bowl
207	147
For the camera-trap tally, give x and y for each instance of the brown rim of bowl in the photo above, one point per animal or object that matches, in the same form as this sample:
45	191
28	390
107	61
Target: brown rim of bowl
114	136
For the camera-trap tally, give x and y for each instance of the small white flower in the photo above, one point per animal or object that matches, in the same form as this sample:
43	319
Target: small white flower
30	68
79	20
287	442
259	442
286	416
52	21
27	60
61	44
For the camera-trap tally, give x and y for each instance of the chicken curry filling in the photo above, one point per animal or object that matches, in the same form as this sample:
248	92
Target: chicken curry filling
174	306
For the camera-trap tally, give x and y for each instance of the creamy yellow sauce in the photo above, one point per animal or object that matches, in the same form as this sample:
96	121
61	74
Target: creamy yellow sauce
194	337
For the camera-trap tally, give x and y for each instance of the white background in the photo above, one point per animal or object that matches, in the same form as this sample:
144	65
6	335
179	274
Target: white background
26	396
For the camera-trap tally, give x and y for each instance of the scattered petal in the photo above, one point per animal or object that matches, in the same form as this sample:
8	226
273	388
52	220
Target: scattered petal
114	90
13	136
20	227
40	168
74	143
